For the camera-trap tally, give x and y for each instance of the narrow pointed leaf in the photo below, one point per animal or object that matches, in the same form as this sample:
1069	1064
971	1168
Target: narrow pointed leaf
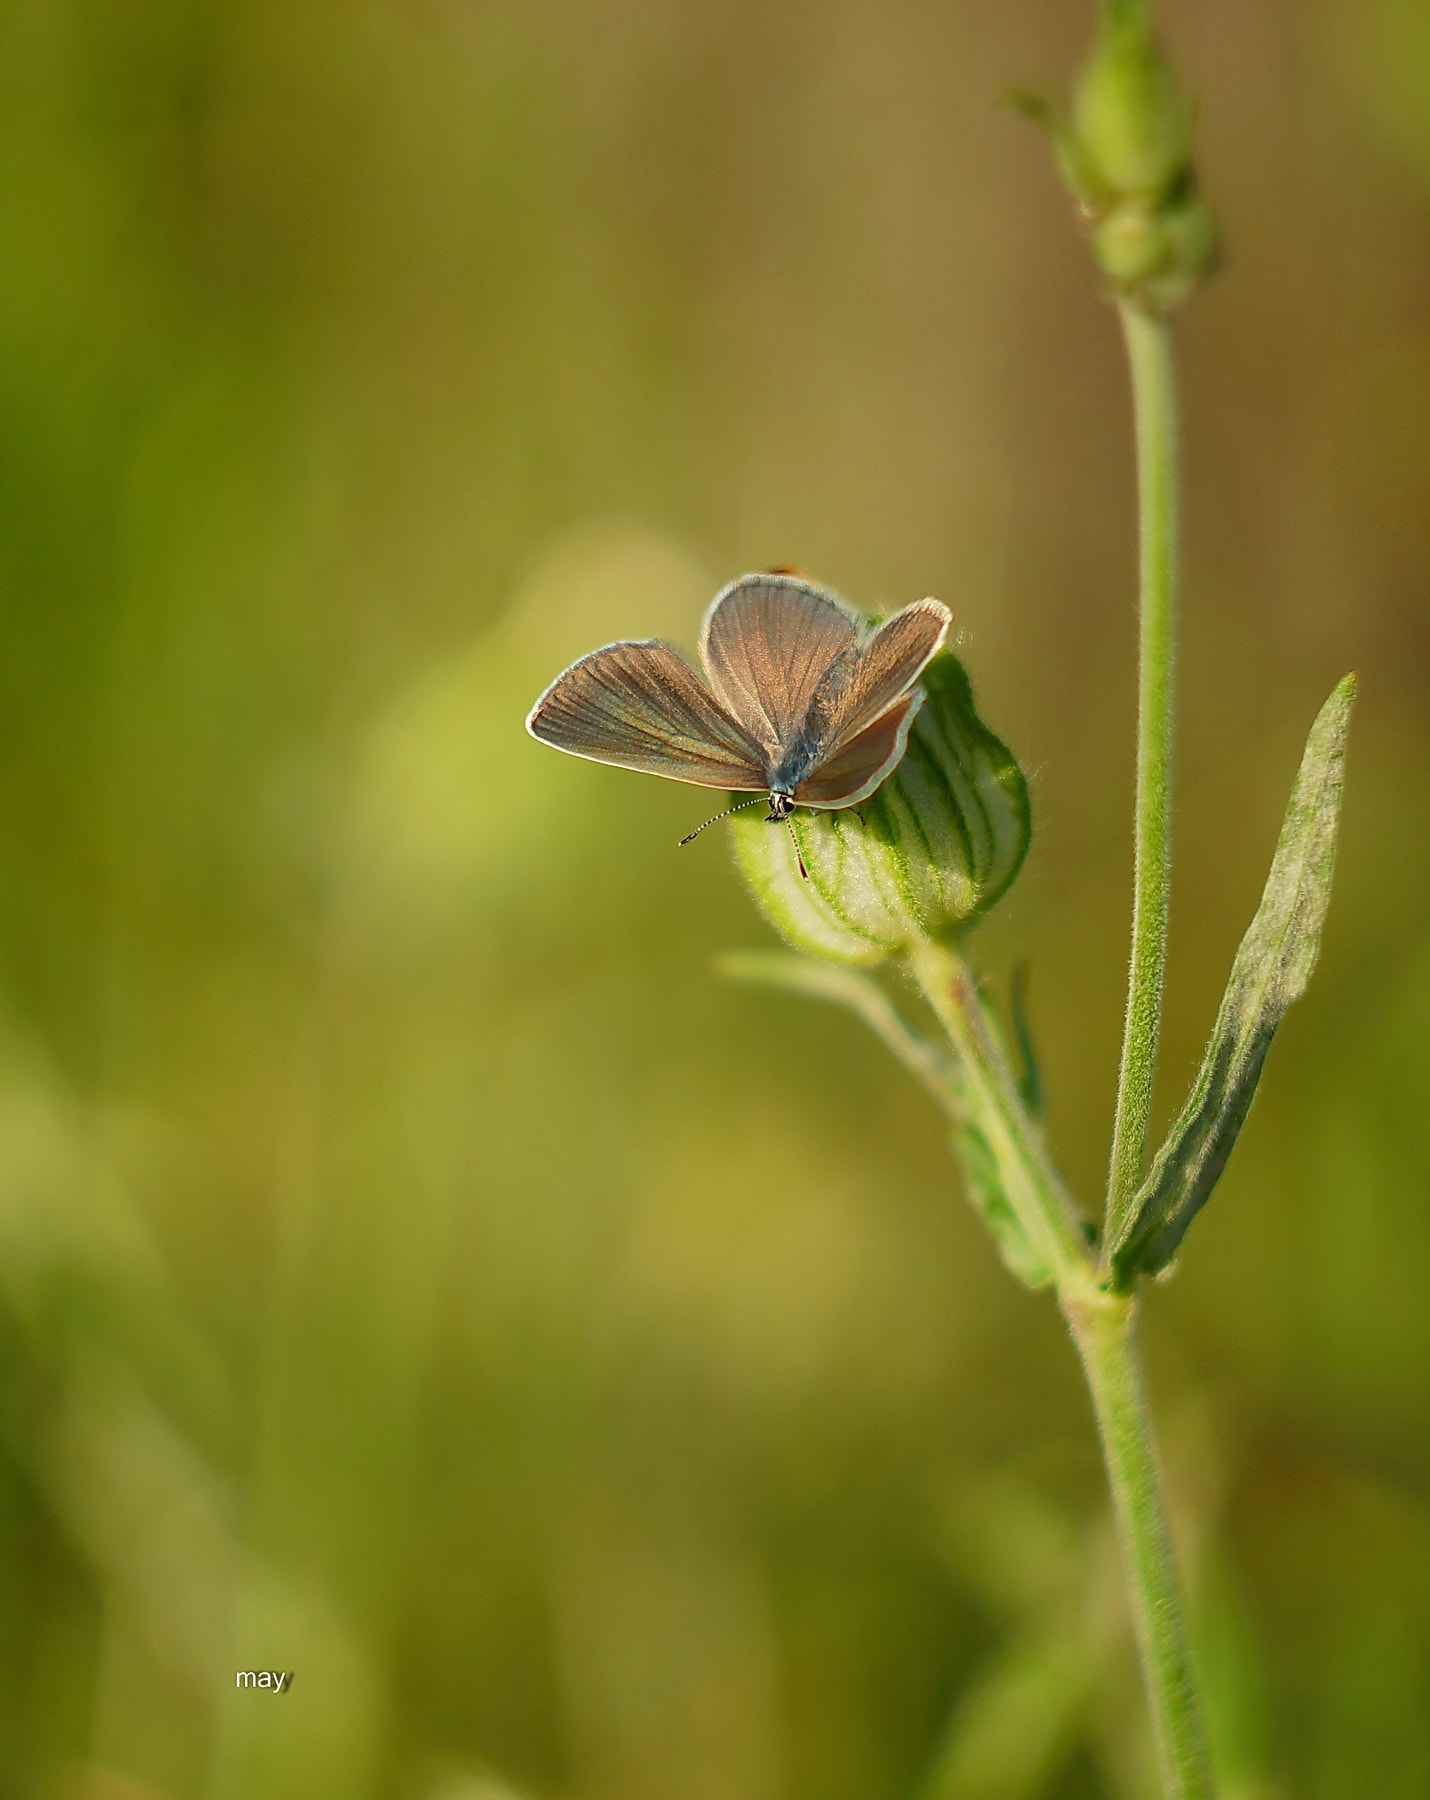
983	1178
1030	1078
1271	970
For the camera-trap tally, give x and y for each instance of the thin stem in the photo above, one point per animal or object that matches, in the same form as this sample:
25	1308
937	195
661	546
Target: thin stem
1149	352
1103	1329
931	1066
1034	1188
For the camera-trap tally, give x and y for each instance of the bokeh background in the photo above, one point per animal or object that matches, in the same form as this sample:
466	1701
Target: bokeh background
418	1270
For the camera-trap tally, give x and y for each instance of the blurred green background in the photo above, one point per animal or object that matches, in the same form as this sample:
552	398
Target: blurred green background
418	1271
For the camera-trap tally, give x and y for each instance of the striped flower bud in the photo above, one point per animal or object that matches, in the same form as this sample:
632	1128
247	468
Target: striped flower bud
933	847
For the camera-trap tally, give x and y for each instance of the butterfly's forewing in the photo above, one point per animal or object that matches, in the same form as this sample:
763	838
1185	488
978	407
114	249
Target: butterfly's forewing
849	702
767	644
861	762
641	706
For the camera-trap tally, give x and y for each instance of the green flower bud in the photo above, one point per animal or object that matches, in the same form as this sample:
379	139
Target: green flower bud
1131	125
1126	154
937	843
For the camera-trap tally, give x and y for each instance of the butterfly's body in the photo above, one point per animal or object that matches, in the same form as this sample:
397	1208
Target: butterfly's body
801	705
800	760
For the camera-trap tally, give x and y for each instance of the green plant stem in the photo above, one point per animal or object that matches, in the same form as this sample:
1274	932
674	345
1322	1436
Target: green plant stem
1103	1327
1102	1324
1034	1188
1149	354
929	1063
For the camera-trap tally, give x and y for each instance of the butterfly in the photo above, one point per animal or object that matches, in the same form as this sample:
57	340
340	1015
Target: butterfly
804	704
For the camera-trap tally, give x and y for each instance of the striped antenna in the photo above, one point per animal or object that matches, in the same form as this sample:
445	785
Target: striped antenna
759	800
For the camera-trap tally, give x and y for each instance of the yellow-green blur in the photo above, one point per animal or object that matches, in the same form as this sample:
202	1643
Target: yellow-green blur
420	1271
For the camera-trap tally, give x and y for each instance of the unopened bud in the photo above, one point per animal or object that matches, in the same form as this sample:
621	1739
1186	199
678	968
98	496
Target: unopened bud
1126	153
1131	124
933	847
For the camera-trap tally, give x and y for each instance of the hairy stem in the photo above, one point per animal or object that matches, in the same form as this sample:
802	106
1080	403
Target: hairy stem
1034	1188
1149	353
1102	1325
1103	1328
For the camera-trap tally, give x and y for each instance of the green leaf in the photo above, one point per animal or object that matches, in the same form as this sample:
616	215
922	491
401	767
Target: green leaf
1030	1078
984	1181
1271	970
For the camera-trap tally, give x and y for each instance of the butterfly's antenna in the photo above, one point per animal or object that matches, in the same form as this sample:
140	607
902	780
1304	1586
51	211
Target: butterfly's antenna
758	800
804	873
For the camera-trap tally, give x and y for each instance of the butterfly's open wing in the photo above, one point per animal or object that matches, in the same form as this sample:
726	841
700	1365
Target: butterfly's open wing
851	700
640	705
860	763
767	643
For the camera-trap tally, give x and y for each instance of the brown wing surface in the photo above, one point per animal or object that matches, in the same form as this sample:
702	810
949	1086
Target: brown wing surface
641	706
767	643
887	667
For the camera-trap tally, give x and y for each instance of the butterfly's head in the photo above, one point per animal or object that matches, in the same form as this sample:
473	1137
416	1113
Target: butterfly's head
781	806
